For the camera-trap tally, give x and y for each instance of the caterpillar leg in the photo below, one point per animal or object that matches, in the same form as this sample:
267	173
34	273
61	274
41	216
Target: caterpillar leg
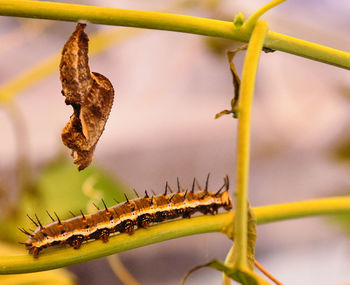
104	235
76	242
35	251
129	227
144	221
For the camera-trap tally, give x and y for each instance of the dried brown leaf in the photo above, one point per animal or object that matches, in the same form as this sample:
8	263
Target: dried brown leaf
91	95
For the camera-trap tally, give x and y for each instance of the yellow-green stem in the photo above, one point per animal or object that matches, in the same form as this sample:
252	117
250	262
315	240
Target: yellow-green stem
252	20
246	97
228	262
170	22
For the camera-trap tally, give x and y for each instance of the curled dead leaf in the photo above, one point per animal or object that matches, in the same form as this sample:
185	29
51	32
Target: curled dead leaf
91	95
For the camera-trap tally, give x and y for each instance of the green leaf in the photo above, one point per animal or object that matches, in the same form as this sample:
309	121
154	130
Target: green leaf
251	238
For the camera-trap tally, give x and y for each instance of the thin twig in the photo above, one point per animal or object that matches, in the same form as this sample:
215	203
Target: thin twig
266	273
120	270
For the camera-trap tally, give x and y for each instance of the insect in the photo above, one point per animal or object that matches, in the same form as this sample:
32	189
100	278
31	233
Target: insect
126	217
89	93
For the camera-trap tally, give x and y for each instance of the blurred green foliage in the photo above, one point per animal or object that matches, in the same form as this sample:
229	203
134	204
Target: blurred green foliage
61	188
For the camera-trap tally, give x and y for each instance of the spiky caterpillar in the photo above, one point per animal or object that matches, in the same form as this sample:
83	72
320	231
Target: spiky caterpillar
125	217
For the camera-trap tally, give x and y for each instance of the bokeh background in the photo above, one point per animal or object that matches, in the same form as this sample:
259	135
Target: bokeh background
168	88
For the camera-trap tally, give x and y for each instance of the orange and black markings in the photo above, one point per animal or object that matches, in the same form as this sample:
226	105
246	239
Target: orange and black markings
89	93
126	217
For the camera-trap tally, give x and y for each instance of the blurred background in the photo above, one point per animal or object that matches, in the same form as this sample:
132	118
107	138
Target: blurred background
168	88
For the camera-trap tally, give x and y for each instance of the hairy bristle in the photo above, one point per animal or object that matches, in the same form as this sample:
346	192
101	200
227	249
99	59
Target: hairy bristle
104	204
41	226
82	214
193	184
178	185
58	219
166	188
207	182
52	219
171	198
126	197
32	221
24	231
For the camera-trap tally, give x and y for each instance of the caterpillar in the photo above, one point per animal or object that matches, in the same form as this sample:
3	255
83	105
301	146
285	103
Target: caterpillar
89	93
127	216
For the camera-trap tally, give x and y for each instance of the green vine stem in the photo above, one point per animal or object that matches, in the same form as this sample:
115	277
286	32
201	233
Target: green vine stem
170	22
56	258
253	19
246	93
